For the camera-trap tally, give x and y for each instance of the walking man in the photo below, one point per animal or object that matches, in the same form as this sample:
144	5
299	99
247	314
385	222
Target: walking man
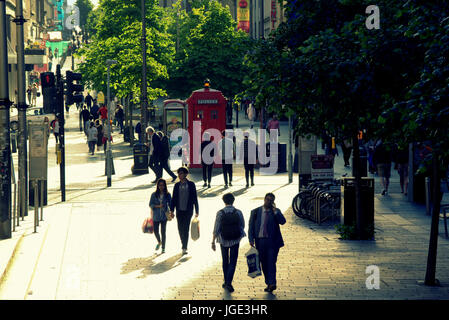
85	115
265	234
88	100
184	199
165	155
226	149
207	160
228	231
154	146
248	152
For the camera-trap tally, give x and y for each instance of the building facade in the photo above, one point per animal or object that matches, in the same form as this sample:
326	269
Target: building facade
42	17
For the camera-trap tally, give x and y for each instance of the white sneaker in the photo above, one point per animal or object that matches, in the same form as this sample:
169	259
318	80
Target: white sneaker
184	251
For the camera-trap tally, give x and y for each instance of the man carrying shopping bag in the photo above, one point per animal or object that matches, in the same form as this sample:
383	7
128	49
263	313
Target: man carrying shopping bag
228	231
265	234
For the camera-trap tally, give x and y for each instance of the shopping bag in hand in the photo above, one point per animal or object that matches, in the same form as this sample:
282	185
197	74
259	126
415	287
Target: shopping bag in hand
147	226
195	229
252	259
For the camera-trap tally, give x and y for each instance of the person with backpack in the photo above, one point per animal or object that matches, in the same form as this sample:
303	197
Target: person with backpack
165	155
228	231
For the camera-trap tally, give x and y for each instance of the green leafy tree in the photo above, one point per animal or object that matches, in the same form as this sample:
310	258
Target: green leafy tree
209	47
85	7
118	34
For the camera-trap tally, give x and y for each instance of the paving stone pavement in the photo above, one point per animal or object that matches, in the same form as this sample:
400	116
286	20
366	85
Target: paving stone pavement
91	247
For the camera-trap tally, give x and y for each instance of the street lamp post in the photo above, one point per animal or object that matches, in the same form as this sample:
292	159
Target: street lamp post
144	102
108	143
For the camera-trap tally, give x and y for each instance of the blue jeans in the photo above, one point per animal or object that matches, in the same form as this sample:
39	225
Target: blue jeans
229	255
268	255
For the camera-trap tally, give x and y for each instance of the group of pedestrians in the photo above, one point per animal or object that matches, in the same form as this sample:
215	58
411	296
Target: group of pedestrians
263	228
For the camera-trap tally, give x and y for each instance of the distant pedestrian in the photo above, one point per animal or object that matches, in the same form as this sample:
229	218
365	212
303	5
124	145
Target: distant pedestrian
160	204
273	124
100	134
248	152
382	159
265	234
400	157
165	155
88	99
226	150
228	231
154	148
103	114
55	127
92	136
119	116
85	115
29	92
251	114
346	147
34	95
207	160
184	200
94	111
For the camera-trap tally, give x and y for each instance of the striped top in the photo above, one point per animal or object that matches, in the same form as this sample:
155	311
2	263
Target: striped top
217	231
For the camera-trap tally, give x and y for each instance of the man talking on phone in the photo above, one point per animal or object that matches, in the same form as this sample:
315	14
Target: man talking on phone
264	232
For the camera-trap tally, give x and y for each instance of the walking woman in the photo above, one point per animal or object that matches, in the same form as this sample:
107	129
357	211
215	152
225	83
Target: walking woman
159	204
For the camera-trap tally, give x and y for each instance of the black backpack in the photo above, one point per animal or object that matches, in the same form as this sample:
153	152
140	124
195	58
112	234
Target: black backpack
230	225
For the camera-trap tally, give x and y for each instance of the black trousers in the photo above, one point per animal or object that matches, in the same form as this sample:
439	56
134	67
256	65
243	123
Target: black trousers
249	171
207	172
163	225
153	163
164	165
229	256
183	218
227	172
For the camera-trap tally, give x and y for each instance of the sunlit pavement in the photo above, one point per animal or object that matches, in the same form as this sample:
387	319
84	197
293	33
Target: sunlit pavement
92	247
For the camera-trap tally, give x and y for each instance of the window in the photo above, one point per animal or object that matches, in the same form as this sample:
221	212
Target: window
199	114
214	114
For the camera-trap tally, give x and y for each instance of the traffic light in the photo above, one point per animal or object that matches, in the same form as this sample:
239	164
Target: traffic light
49	92
73	88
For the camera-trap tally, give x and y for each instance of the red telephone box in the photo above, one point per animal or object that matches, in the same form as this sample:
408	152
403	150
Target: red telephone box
206	107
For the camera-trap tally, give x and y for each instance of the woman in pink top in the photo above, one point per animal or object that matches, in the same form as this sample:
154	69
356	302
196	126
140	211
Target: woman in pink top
273	124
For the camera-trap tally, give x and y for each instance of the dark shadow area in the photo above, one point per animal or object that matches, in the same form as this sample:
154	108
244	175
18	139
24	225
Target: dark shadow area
148	266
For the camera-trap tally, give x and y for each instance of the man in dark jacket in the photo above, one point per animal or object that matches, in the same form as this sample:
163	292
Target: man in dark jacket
183	200
165	155
154	147
85	116
264	232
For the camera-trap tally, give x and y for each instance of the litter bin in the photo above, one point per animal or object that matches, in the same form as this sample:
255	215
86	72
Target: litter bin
348	207
363	164
140	152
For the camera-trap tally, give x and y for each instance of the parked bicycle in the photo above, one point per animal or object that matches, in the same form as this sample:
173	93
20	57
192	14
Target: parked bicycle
318	201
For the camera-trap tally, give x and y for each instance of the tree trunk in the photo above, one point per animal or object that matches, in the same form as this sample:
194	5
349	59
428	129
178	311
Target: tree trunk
433	242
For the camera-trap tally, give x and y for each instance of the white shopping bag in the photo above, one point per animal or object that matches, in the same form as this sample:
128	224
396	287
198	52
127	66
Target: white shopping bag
195	229
252	259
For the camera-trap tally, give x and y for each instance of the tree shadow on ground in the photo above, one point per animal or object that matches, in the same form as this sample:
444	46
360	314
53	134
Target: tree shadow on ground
149	266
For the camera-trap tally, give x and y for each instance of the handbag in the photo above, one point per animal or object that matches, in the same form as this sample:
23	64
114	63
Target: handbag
252	259
147	225
195	229
169	215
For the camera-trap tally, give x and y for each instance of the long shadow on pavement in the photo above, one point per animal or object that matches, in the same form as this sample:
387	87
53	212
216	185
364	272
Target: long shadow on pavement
149	266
